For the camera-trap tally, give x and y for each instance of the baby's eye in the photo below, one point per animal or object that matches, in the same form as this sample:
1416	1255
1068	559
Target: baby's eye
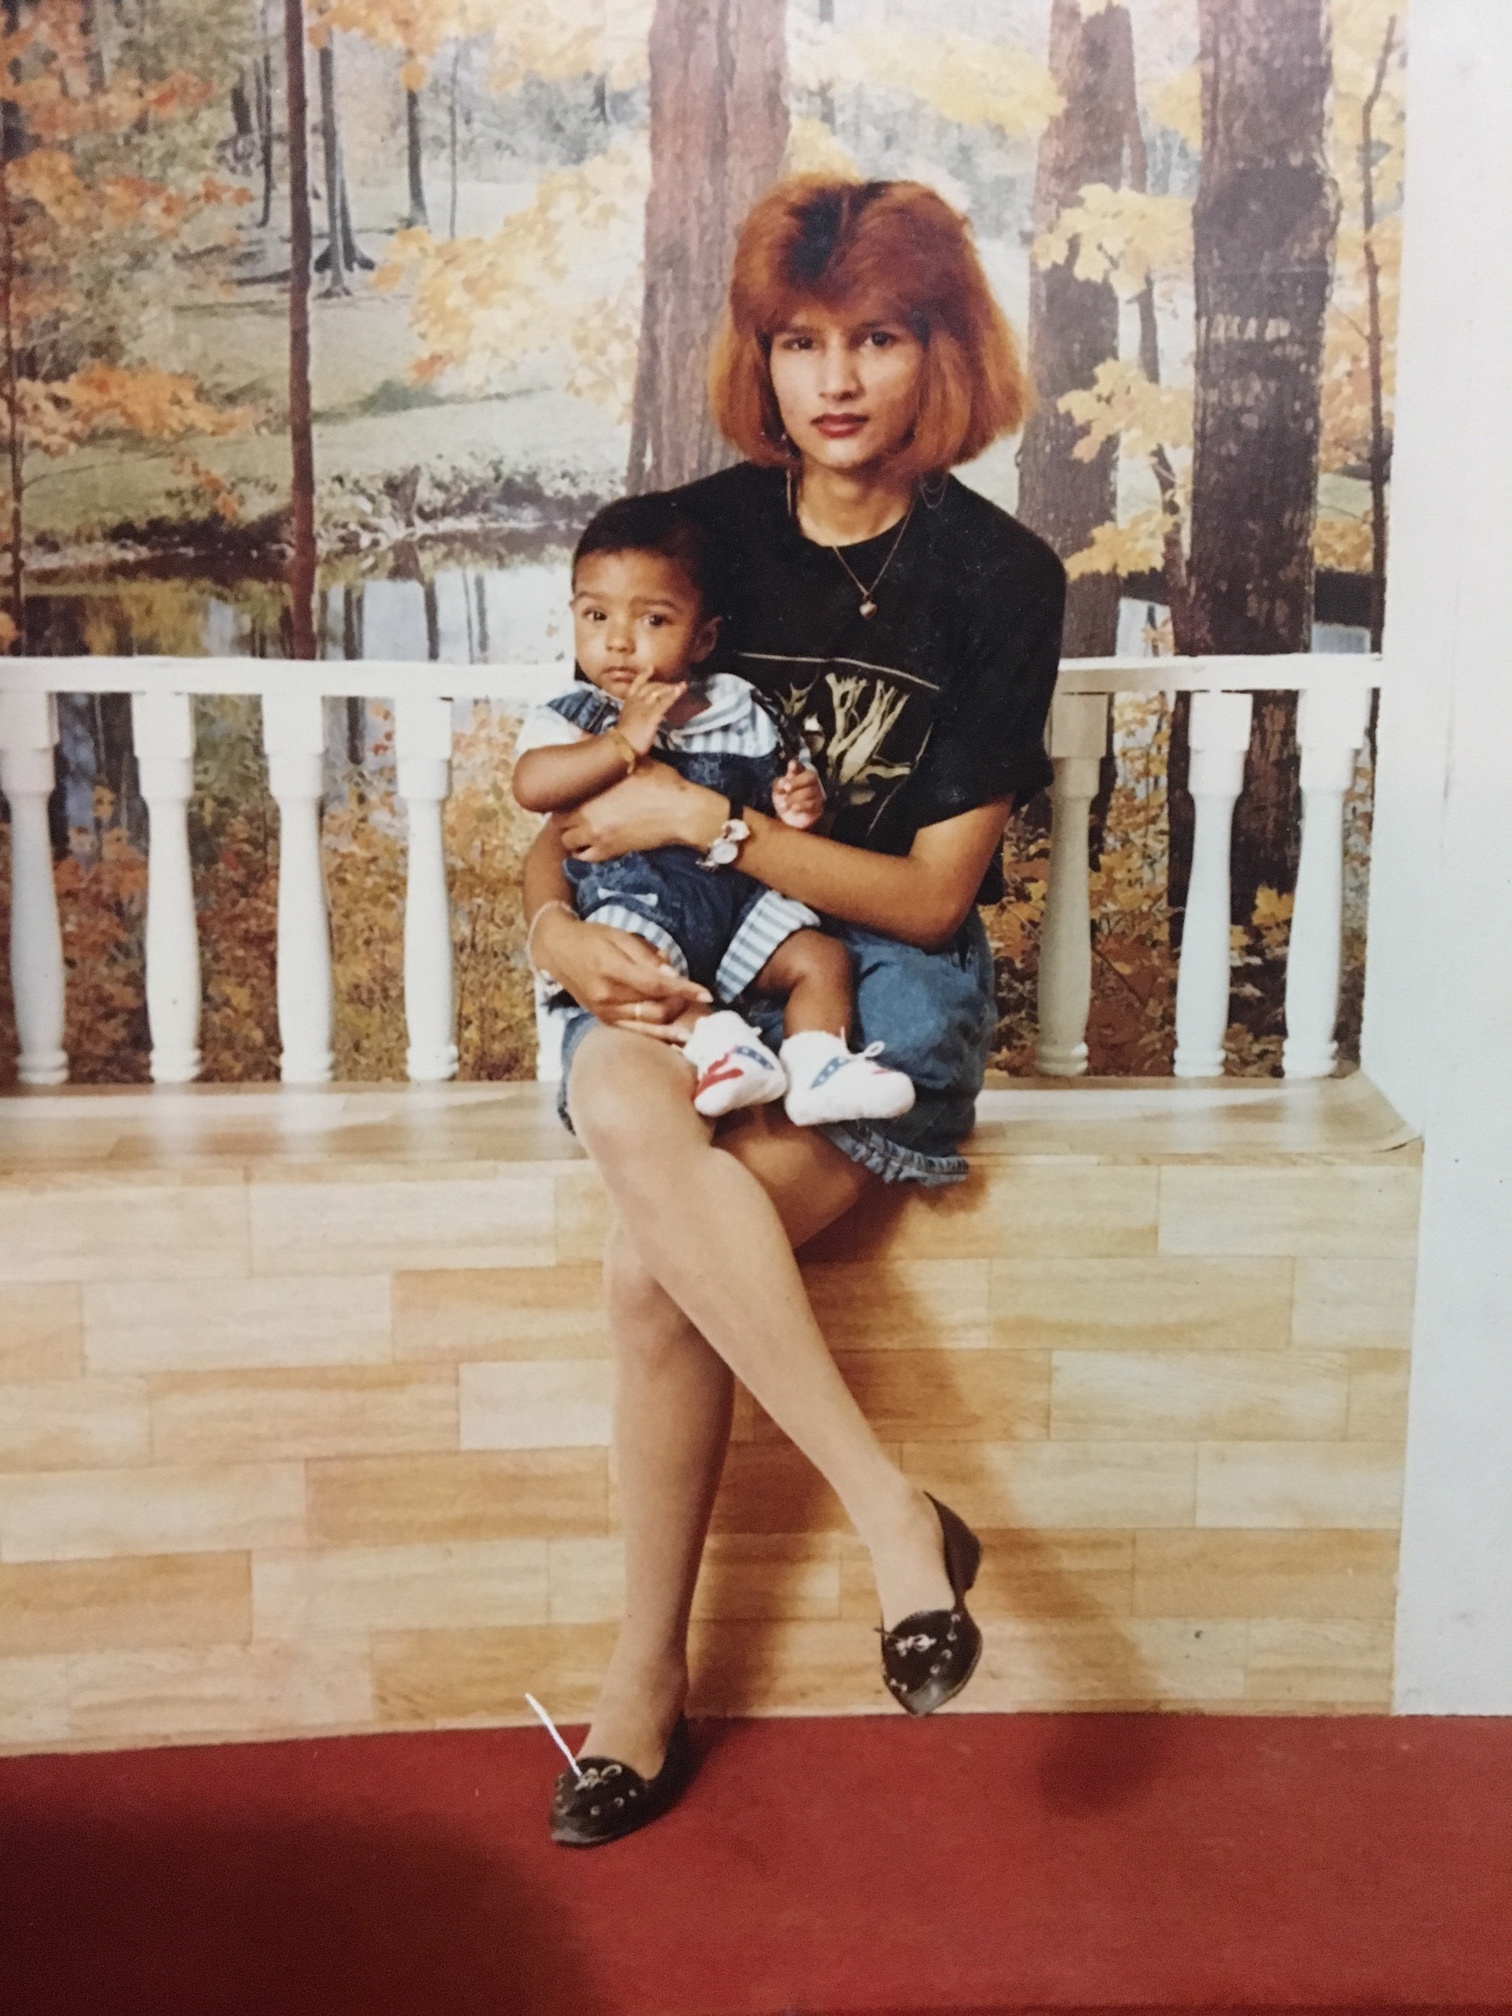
592	615
656	622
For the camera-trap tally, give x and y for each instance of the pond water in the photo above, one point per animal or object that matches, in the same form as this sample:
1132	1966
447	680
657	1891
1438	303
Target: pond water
454	612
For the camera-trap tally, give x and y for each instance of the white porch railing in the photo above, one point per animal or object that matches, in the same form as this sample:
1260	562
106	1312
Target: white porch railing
1335	699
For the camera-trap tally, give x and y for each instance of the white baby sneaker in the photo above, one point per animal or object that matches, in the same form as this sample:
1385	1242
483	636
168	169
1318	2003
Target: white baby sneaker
735	1068
828	1081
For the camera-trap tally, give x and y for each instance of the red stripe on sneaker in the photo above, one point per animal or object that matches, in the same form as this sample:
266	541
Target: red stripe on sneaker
717	1073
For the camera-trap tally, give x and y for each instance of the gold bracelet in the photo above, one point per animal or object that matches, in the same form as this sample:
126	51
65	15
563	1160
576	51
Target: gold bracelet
626	747
553	903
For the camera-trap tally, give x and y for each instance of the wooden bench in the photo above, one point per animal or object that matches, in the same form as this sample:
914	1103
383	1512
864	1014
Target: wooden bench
305	1408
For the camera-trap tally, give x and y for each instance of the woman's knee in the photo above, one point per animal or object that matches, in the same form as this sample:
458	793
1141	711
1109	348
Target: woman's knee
618	1086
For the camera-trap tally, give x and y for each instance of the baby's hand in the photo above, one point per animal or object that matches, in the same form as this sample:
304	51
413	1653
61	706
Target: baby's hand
644	706
798	797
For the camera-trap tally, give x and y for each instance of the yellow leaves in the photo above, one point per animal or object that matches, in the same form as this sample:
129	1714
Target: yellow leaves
570	38
1343	543
1121	402
554	271
969	80
110	398
813	149
1358	33
413	74
47	177
1121	236
1121	549
1272	908
1178	104
8	632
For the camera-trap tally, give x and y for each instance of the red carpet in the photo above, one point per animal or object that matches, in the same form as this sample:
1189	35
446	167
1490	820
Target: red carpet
838	1868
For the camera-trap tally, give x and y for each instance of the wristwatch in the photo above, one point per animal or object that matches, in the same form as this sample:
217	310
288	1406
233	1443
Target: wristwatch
724	849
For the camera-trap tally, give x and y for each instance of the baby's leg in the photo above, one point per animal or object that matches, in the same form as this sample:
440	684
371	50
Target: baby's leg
826	1080
812	974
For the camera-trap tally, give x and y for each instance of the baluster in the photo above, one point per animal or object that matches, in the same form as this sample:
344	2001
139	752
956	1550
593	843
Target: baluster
28	733
294	738
1220	732
162	730
1331	722
1077	741
422	735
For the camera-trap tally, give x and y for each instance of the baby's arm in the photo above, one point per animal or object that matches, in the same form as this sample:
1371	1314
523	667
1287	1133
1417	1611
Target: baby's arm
798	797
564	775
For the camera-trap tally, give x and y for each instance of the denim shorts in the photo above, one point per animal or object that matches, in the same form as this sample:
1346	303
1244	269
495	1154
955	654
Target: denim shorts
934	1014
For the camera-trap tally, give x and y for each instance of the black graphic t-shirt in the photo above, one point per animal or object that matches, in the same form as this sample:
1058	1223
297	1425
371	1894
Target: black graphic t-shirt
928	708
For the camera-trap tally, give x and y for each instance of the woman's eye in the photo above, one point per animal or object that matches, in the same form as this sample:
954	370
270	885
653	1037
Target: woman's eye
881	338
797	343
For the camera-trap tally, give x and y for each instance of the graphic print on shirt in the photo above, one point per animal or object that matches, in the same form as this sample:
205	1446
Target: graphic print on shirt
865	726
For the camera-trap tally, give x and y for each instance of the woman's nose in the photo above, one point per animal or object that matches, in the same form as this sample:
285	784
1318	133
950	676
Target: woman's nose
838	376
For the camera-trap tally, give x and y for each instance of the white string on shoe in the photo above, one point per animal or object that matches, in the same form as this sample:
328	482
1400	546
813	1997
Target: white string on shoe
556	1736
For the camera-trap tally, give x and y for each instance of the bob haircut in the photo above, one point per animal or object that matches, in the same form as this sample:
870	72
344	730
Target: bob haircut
832	241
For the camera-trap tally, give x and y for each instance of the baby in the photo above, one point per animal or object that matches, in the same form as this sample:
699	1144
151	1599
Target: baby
642	626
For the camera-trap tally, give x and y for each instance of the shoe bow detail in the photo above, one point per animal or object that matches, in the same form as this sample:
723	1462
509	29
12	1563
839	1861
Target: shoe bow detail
606	1799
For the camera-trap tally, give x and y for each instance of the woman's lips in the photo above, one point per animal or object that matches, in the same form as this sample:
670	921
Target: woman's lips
837	425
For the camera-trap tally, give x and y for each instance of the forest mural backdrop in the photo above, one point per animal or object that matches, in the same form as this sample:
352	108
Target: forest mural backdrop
327	322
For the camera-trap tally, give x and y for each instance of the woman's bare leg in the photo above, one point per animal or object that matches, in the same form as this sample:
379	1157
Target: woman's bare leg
705	1225
671	1428
672	1399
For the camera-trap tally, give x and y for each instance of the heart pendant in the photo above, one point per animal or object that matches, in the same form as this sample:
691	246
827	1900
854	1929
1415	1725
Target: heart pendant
868	607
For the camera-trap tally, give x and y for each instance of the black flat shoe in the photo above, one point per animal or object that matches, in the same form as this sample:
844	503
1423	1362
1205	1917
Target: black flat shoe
611	1799
929	1657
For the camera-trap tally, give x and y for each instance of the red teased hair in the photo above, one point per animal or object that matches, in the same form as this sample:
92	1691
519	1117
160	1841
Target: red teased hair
831	241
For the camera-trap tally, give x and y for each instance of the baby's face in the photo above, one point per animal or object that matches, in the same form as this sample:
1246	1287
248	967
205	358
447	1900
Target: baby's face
635	613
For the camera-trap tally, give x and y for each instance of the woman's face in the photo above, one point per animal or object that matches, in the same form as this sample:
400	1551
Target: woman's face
847	383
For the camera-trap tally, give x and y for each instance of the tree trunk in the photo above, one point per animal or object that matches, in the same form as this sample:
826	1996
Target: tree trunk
719	126
335	252
13	143
263	107
1380	446
301	436
451	225
1073	324
1263	232
418	214
357	261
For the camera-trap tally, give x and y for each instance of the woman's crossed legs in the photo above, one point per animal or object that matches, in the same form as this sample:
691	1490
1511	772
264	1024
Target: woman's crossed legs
702	1283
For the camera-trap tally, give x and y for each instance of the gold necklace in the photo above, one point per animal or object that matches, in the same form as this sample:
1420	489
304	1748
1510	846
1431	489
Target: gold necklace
869	595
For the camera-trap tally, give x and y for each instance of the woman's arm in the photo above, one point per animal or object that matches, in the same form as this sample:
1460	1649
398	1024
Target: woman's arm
613	974
921	897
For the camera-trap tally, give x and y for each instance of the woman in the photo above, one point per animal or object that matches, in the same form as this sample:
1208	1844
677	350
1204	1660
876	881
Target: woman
909	631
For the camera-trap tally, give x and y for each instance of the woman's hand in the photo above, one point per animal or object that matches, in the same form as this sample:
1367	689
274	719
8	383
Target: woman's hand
615	975
654	808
